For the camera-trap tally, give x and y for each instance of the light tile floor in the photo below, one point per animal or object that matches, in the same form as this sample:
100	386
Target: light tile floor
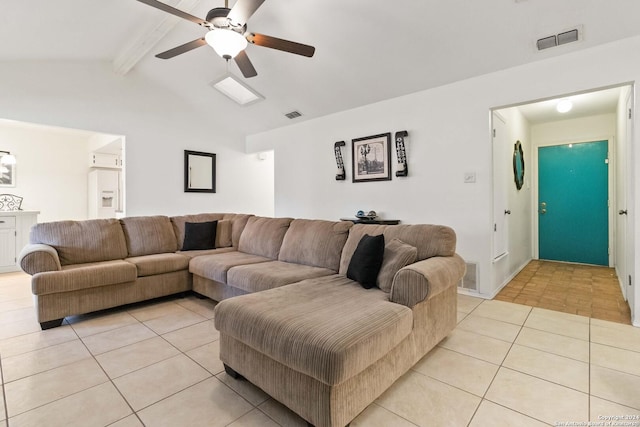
156	364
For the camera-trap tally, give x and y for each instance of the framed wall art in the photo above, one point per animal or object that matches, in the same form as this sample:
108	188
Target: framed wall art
7	175
371	158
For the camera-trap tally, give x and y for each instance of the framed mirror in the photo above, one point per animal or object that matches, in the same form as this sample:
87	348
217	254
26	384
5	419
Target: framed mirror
518	165
199	172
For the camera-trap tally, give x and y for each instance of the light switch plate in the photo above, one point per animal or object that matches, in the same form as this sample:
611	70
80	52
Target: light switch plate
469	177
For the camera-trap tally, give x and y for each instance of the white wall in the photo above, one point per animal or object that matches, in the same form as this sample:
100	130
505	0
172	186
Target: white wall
449	135
158	125
51	170
585	129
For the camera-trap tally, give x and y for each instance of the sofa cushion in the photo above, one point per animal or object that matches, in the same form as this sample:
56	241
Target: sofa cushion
80	242
397	254
216	266
224	233
148	265
263	236
366	260
178	223
329	328
228	232
82	276
148	235
430	240
199	235
268	275
315	242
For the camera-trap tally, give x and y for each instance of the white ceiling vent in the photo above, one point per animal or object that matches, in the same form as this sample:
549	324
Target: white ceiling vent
293	114
564	37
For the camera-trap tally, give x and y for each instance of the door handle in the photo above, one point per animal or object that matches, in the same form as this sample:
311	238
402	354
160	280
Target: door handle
543	211
622	212
507	212
543	208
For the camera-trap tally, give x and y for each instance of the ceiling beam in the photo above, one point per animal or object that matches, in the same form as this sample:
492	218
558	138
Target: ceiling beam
131	54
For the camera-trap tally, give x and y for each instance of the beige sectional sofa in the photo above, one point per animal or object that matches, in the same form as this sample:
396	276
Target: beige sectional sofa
297	326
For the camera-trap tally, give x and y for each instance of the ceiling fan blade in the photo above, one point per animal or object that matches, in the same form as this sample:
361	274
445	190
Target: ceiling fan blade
176	12
182	49
243	9
245	65
281	44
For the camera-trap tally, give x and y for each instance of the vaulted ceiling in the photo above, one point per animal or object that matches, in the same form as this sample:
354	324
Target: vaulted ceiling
366	51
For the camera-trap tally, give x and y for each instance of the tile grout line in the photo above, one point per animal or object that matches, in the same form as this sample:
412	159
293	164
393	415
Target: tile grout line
107	375
484	396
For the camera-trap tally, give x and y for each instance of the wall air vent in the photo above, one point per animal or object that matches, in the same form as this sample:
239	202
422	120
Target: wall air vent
293	114
470	279
547	42
568	37
564	37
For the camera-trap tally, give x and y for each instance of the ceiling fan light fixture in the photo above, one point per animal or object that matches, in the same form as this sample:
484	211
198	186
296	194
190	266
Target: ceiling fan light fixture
226	43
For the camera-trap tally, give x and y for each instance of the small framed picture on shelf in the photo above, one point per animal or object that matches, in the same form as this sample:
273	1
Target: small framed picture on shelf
371	158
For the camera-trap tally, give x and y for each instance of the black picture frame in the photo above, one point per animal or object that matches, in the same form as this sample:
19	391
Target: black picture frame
199	172
371	158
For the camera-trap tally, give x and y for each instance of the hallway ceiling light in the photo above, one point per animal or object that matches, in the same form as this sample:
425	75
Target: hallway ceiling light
564	106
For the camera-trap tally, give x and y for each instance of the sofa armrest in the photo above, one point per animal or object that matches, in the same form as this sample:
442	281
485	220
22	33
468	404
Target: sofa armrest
38	258
424	279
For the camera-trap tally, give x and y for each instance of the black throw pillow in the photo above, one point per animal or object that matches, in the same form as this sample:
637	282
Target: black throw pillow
199	235
366	261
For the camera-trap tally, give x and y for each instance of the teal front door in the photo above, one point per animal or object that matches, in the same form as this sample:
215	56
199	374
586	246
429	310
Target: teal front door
573	213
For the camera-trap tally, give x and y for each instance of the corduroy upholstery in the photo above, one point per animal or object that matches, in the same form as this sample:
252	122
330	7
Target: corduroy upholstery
263	236
81	276
215	267
430	240
268	275
329	328
36	258
79	242
147	235
83	266
314	242
150	265
296	326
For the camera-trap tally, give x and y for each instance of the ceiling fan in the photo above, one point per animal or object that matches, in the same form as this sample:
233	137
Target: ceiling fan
228	34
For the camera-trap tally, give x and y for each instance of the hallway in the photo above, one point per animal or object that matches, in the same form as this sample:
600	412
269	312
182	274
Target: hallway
585	290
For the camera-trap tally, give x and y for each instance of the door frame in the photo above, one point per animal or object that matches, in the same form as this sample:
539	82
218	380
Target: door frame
610	187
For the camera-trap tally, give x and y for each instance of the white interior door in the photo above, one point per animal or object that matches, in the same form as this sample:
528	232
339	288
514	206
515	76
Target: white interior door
501	173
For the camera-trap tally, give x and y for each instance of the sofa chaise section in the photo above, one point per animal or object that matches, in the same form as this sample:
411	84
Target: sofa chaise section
327	347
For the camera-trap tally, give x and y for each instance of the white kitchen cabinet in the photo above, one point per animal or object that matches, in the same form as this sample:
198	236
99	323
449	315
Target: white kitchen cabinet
14	235
105	160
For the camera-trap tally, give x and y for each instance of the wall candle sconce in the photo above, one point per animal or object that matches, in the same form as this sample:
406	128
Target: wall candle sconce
401	152
340	175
